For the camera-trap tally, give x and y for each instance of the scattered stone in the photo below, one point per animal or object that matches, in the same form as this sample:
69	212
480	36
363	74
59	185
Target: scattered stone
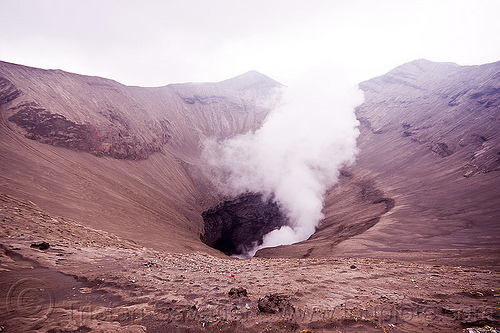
476	293
85	290
81	329
448	311
151	264
274	304
485	329
237	292
41	246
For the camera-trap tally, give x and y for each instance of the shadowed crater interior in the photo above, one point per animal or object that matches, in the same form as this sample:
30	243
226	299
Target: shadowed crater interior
236	226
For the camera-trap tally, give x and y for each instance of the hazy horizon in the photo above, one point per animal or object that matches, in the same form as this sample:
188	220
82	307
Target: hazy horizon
157	43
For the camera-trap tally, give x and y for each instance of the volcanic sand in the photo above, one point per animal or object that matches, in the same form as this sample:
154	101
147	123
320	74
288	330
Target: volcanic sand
89	280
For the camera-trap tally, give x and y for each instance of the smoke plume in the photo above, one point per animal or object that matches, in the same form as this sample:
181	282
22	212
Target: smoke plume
295	156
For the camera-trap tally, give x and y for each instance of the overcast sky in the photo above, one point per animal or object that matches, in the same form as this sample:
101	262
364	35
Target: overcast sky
154	43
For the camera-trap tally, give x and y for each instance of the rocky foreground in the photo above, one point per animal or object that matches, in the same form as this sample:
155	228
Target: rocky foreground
59	276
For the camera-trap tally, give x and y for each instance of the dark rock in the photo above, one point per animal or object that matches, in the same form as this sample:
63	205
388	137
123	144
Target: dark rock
81	329
448	311
469	320
390	203
41	246
114	140
237	292
344	172
455	99
204	99
236	226
274	303
407	134
151	264
353	267
442	149
8	91
484	329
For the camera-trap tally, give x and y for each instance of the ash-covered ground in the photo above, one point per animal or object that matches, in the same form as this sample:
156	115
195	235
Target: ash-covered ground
92	281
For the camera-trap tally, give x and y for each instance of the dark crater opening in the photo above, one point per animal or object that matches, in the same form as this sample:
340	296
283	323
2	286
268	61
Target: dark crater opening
236	226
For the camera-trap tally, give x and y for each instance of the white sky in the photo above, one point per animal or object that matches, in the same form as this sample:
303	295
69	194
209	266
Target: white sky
154	43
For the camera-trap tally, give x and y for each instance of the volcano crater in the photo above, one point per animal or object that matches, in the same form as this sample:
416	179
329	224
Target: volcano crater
237	226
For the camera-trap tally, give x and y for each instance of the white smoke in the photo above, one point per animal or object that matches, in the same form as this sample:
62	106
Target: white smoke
295	156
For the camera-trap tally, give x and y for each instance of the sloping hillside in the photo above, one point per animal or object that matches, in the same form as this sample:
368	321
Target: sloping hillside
120	158
124	159
427	177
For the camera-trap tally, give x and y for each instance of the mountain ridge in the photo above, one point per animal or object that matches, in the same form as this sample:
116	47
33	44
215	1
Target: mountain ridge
114	157
441	118
429	141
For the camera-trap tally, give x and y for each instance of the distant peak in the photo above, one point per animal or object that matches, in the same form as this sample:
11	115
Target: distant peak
424	64
251	79
253	74
414	74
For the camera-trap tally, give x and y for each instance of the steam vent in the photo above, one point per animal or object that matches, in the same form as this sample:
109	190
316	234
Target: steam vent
236	226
